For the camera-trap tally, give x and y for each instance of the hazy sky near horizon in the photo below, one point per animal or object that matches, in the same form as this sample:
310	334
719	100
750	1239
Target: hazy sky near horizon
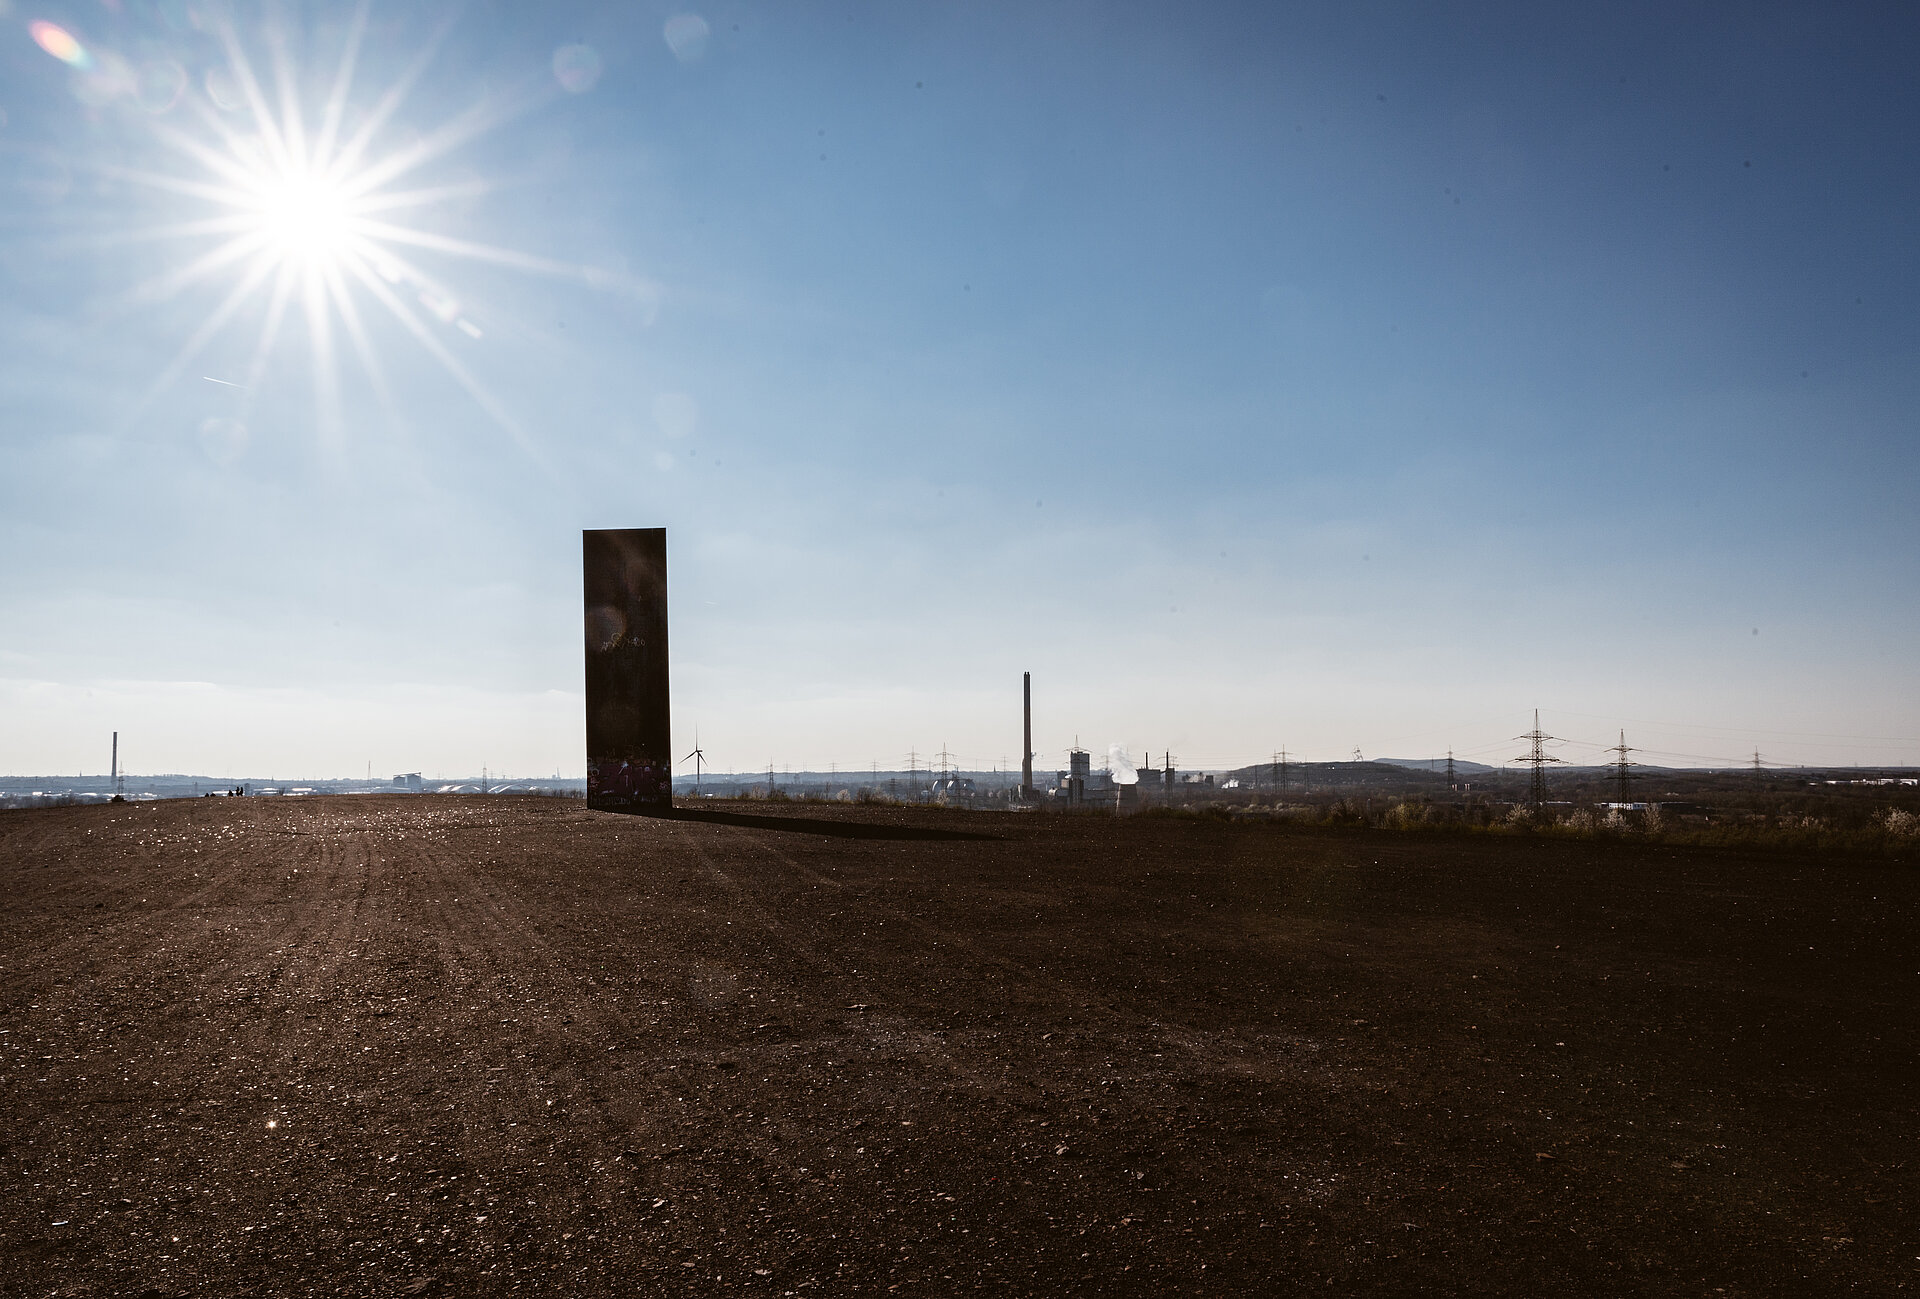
1346	376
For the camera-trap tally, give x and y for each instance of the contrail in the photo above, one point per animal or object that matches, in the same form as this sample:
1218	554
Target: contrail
224	383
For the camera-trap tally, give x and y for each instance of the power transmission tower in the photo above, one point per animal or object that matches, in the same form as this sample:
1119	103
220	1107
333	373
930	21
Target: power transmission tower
1538	760
1758	770
1449	768
1280	769
1623	775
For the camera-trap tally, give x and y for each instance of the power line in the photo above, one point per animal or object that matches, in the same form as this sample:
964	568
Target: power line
1748	730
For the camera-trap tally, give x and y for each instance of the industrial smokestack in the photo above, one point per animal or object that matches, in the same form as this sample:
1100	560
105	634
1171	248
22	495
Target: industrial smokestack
113	773
1026	737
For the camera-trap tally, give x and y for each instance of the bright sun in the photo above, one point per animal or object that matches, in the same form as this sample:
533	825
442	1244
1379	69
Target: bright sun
305	218
307	212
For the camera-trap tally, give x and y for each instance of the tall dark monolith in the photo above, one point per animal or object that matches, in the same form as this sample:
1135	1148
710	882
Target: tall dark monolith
629	736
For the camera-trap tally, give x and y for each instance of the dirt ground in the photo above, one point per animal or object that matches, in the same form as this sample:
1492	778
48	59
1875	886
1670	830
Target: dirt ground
441	1045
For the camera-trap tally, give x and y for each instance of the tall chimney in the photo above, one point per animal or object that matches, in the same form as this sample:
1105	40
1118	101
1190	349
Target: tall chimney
1026	737
113	776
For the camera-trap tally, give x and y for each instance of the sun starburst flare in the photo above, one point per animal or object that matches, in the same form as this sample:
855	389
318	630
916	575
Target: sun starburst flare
311	218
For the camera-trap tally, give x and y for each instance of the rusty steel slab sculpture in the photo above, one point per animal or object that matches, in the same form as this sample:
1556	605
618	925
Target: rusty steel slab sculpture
629	740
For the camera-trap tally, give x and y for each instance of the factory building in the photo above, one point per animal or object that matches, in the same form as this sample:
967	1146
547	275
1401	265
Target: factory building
1080	786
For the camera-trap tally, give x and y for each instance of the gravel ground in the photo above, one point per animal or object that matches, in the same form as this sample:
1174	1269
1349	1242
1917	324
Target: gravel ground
440	1045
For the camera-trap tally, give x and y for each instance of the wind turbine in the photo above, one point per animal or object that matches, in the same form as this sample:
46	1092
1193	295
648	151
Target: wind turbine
699	756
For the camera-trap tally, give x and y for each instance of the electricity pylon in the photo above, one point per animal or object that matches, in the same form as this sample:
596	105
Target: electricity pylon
1623	776
1538	760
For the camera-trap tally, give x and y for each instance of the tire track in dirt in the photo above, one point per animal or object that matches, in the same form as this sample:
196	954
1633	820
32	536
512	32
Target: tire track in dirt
200	986
1279	1061
547	1123
497	953
1086	1083
123	935
884	1029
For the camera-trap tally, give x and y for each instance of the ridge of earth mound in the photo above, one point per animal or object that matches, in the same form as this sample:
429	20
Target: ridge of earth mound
463	1045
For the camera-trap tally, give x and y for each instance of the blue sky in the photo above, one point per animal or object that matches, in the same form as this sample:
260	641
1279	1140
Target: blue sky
1351	377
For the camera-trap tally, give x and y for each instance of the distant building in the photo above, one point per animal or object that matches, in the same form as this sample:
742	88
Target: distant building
952	789
409	782
1078	775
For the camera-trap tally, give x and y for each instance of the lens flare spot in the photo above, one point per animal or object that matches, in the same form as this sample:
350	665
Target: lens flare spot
440	305
388	269
606	626
60	43
108	78
159	85
224	91
577	68
686	35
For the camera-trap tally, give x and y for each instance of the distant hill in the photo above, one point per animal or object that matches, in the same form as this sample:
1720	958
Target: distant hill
1460	765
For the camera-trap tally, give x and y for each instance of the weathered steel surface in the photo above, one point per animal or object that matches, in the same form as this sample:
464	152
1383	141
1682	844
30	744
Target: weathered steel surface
629	738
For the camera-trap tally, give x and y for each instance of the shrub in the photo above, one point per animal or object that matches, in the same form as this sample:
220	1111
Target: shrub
1404	816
